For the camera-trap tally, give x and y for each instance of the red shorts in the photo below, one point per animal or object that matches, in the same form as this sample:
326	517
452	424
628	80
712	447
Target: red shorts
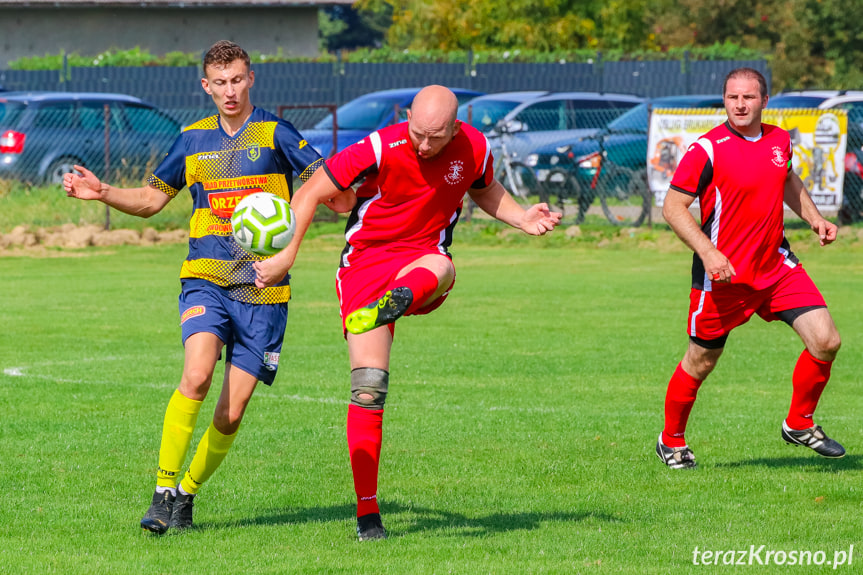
371	272
713	314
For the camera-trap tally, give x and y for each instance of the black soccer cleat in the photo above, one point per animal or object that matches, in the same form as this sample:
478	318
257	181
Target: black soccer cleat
181	516
675	457
815	439
370	527
388	309
158	516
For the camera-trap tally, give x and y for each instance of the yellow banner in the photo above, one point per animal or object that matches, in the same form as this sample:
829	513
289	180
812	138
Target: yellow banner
818	138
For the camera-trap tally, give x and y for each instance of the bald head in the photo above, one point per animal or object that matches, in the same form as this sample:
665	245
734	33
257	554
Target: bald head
432	120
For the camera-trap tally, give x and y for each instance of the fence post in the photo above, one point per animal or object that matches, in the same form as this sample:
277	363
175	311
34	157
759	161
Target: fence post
339	78
687	85
107	116
598	72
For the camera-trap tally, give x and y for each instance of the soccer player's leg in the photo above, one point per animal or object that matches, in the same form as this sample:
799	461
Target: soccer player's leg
797	301
416	285
252	355
369	387
202	352
711	318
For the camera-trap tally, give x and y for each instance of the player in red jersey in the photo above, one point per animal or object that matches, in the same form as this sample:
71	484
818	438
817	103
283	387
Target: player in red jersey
396	260
741	174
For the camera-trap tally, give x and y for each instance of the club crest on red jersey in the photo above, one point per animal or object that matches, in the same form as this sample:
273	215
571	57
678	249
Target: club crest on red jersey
778	157
455	174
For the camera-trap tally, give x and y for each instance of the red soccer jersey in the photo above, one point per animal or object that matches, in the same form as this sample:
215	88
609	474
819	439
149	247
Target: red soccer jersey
740	186
405	200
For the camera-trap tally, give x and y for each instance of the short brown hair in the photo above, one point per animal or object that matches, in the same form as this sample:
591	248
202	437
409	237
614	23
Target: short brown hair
222	53
751	74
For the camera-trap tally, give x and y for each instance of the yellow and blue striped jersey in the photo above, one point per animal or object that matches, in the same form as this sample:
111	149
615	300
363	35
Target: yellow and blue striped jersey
219	170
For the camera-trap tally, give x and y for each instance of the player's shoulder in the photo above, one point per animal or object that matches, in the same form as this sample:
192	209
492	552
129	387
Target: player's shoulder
204	124
774	132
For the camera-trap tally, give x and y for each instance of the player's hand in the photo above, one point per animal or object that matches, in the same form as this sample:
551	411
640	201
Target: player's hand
272	270
826	231
538	220
717	266
85	186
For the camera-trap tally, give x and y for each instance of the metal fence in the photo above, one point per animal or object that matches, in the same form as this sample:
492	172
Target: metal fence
313	83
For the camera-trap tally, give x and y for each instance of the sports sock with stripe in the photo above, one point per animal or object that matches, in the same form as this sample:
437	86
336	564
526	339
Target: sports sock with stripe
809	379
365	435
679	399
212	449
180	418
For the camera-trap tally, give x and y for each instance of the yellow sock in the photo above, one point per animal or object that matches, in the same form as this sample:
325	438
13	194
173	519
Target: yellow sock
180	418
211	451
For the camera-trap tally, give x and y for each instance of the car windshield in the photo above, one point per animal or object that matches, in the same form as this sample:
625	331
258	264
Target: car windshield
633	119
366	114
795	102
484	114
9	113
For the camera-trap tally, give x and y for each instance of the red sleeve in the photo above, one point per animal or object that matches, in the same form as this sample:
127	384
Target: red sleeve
352	163
483	157
694	171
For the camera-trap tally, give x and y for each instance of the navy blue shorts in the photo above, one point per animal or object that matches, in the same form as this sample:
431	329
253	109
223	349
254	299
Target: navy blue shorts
252	333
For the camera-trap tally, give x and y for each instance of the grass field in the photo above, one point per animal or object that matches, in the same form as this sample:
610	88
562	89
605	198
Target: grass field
518	438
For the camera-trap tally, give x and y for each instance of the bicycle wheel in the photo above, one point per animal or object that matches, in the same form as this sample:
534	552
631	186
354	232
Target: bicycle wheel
561	190
626	198
520	181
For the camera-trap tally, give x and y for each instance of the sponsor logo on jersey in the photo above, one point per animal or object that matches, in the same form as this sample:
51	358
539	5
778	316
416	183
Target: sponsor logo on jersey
302	144
398	143
271	360
222	204
253	152
208	157
193	311
725	139
243	182
778	157
455	173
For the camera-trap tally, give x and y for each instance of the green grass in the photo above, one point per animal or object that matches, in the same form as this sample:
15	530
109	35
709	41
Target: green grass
518	438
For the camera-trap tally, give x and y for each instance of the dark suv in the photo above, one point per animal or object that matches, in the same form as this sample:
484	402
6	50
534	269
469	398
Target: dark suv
43	134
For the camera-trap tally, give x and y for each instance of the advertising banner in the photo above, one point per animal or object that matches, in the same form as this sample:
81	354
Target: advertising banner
818	138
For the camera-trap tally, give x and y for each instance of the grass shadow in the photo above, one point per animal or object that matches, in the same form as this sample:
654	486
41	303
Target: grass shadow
810	463
419	519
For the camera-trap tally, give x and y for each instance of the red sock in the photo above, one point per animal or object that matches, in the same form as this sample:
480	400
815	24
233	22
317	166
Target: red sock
422	283
679	400
365	435
810	377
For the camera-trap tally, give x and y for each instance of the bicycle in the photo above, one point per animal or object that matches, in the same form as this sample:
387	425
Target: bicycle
623	192
519	179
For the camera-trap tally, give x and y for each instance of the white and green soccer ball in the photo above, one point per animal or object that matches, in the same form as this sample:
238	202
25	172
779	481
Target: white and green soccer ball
263	223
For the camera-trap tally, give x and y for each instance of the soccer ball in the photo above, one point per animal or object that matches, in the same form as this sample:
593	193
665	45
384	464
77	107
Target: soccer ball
263	223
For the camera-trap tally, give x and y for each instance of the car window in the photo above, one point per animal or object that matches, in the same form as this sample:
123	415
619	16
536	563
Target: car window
361	115
9	113
634	119
795	102
854	109
91	116
56	115
593	114
546	115
149	121
485	114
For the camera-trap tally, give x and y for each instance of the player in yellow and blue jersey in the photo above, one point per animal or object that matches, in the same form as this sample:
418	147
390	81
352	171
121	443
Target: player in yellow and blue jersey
221	159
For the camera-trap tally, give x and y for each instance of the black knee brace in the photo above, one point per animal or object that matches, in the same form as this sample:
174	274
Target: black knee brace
369	381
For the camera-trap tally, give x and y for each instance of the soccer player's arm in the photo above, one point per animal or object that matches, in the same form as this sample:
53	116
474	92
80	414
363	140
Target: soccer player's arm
144	201
797	198
693	173
493	199
330	182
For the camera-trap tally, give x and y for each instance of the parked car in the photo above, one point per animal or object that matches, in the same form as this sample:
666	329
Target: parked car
484	112
806	98
362	116
614	157
559	116
43	134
